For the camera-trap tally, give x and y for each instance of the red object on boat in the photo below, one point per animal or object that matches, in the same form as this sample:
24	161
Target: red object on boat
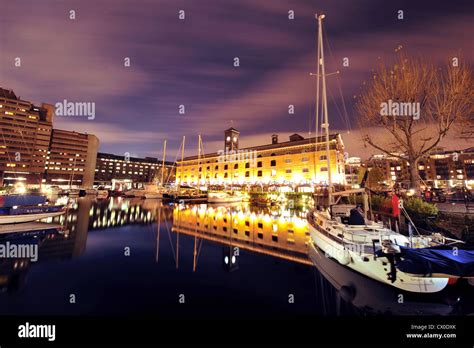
452	281
395	206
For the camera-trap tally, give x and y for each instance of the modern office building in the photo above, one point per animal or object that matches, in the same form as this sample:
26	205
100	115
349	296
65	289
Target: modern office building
440	169
71	158
296	161
130	171
32	152
352	170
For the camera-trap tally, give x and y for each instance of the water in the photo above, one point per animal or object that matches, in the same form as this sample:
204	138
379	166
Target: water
141	257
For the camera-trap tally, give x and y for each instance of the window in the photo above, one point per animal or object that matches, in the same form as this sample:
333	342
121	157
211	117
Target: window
236	166
225	175
323	158
259	173
274	238
247	233
226	167
305	159
235	231
247	165
216	168
247	223
274	172
208	168
288	160
259	164
247	174
288	171
273	163
260	225
305	170
323	169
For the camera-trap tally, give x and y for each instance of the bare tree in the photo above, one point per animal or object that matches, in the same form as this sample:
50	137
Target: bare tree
409	107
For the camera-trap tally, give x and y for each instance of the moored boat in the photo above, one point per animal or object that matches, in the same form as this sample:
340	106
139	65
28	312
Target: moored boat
225	197
26	208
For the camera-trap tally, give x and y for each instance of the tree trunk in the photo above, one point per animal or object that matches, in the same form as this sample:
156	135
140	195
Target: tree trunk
415	180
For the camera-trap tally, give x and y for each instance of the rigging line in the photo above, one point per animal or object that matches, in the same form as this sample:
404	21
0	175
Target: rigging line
170	239
338	82
337	107
175	162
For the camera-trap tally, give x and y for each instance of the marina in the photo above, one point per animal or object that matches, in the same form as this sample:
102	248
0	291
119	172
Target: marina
214	255
211	172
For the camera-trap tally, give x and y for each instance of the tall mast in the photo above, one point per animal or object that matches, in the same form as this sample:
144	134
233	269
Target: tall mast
182	160
199	162
163	164
325	125
316	123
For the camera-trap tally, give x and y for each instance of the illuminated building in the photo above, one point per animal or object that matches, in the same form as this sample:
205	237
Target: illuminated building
297	161
71	158
111	168
31	151
440	169
26	133
352	170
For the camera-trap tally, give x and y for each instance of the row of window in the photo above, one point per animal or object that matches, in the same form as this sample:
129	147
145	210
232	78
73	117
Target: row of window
273	163
259	173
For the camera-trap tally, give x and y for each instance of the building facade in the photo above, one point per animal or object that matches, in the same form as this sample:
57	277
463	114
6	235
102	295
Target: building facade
441	169
71	158
352	169
33	153
130	170
293	162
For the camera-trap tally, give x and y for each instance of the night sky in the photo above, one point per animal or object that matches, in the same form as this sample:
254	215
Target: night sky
191	62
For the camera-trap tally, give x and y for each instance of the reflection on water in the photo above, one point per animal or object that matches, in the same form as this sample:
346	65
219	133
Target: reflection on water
279	233
240	256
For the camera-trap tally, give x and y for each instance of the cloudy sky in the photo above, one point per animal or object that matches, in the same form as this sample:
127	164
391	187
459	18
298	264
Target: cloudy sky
190	62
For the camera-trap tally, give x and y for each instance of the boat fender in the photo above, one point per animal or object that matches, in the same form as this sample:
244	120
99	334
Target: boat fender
348	293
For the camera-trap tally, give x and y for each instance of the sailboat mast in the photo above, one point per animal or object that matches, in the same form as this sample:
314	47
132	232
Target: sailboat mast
182	160
325	104
316	123
199	163
163	164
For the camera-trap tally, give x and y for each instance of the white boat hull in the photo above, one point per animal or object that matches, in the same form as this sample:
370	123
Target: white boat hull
364	262
13	219
224	198
153	195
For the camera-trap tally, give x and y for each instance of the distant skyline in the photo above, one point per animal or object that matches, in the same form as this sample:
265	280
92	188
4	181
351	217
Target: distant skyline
190	62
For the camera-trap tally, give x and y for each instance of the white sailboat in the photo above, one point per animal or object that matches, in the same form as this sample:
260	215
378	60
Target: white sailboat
225	197
354	241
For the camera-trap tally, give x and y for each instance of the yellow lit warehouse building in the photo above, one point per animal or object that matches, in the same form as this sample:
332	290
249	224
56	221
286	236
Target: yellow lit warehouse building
297	161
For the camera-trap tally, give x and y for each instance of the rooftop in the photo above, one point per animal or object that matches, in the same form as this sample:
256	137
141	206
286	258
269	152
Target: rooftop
297	140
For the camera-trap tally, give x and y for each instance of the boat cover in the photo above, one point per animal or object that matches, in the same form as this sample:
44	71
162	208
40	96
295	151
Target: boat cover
8	201
440	259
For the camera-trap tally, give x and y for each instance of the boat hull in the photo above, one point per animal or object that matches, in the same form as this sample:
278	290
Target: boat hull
153	195
224	199
375	268
20	218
